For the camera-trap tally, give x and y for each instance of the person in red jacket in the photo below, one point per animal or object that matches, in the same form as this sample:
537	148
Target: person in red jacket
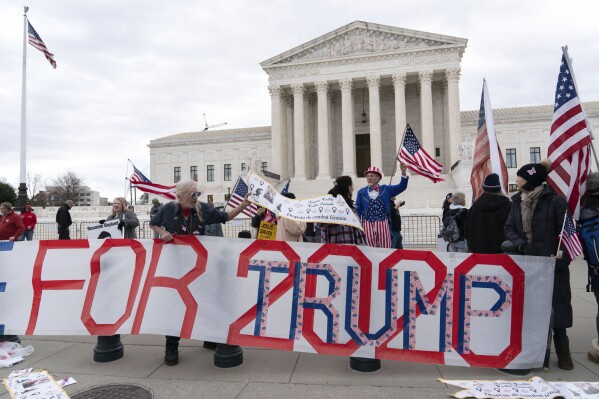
11	224
29	221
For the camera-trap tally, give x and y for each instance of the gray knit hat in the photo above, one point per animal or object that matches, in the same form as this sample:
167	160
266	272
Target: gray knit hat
593	183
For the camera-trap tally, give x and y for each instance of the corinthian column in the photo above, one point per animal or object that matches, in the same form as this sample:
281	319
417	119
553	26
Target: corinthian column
399	86
347	128
299	134
453	137
376	139
324	166
277	131
426	112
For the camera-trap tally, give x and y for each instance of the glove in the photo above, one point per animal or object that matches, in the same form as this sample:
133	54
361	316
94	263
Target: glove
102	221
527	249
121	225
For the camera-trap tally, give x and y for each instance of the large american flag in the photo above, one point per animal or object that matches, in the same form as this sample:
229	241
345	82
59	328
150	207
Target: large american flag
416	159
570	239
141	182
36	41
239	192
486	160
569	141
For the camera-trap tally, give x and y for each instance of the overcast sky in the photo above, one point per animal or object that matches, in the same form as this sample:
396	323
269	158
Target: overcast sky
132	71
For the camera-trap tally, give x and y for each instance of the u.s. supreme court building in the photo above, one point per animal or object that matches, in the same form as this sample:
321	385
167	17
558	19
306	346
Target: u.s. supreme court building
340	103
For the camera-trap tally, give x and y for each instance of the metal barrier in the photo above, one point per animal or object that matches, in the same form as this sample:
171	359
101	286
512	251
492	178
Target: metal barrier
420	231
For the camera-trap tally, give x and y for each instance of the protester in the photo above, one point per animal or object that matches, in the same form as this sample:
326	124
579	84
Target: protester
187	216
486	218
263	215
127	219
396	237
458	212
590	210
372	206
29	221
11	224
154	210
533	228
290	230
340	233
63	219
131	208
446	204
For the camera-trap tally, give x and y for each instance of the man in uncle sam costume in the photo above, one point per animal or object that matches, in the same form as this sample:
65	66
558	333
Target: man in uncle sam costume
372	206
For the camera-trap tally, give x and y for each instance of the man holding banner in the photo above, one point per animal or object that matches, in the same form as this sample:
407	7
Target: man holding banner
187	216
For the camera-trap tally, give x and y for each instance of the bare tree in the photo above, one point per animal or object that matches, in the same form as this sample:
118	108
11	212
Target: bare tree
68	185
35	183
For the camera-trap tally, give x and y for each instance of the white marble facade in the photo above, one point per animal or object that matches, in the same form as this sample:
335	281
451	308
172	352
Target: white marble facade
319	91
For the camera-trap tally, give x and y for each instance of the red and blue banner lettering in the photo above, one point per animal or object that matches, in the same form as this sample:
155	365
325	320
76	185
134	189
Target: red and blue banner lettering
414	306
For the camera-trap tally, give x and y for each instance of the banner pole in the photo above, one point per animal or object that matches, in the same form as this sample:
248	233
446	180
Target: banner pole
561	235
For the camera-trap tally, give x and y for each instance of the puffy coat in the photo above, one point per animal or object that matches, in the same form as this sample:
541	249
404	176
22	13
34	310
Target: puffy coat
484	223
547	220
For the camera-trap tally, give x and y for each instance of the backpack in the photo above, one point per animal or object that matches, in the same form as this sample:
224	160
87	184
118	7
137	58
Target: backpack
450	231
589	238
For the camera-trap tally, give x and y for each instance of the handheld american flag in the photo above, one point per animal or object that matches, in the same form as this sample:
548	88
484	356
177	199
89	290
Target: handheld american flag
487	157
570	239
141	182
569	141
239	192
416	159
36	41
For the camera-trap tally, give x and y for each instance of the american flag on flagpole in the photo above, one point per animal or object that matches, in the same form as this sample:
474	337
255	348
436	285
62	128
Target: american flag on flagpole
36	41
487	156
239	192
416	159
569	141
141	182
570	239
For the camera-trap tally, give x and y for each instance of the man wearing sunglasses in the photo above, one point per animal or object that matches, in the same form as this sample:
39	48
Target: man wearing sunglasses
187	216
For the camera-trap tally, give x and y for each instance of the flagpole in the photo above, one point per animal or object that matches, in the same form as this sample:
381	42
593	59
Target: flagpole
569	62
561	235
22	197
398	151
234	188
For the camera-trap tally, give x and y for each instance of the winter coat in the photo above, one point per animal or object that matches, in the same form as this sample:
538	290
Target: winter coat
11	225
589	210
290	230
214	229
171	218
460	218
29	218
63	216
130	220
484	223
547	221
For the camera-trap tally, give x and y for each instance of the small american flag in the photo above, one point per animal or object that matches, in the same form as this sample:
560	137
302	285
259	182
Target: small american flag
570	239
416	159
568	142
239	192
36	41
141	182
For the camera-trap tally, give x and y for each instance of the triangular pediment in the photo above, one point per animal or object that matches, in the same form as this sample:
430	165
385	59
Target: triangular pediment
363	39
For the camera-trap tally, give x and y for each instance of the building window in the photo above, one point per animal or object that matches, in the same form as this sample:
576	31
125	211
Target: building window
227	174
193	173
512	188
210	173
437	152
210	198
510	158
264	166
227	197
243	166
535	154
177	174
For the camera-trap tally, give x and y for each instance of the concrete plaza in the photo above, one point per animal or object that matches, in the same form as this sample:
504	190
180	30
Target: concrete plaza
289	375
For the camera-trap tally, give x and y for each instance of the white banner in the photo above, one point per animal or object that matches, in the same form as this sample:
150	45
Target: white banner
326	209
444	308
110	229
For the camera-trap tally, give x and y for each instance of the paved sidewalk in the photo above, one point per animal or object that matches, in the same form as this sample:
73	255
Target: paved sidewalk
276	374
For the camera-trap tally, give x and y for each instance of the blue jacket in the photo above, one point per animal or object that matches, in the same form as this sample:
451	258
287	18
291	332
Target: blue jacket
386	192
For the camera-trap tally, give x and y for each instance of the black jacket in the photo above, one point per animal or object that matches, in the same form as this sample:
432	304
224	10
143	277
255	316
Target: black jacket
63	216
460	219
547	220
484	223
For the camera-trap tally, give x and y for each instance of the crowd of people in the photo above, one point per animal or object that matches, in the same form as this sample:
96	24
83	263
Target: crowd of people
528	223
